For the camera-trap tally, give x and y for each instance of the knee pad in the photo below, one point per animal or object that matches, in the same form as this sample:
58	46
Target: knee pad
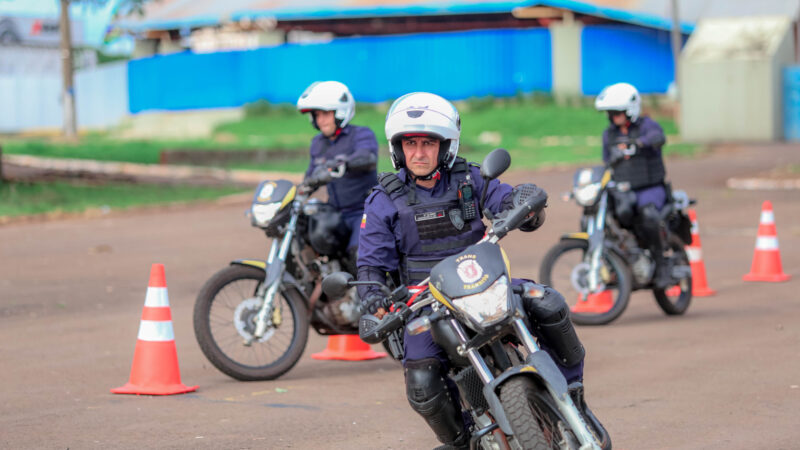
424	380
651	224
429	396
550	316
624	206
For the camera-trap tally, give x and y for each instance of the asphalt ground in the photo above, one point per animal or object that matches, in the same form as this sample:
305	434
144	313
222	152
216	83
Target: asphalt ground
725	375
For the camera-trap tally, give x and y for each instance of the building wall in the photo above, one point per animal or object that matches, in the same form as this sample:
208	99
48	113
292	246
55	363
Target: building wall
784	56
33	100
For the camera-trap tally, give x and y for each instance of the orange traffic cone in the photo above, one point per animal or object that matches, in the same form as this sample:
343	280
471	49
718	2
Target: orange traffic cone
595	303
695	253
347	347
155	360
767	258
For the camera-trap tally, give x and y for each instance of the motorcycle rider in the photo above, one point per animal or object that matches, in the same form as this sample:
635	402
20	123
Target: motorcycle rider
413	219
632	144
342	155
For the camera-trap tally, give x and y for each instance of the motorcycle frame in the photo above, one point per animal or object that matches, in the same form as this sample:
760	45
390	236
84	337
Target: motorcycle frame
538	365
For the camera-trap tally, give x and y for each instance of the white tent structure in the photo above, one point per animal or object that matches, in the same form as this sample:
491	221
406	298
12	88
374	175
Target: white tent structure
731	78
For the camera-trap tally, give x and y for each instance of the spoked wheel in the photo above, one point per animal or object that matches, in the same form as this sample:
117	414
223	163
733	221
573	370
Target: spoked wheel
564	269
224	319
675	300
534	420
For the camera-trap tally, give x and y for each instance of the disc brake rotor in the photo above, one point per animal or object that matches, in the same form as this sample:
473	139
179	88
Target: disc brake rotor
580	278
244	319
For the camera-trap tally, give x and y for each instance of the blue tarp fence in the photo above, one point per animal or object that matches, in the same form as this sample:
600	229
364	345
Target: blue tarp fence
455	65
617	53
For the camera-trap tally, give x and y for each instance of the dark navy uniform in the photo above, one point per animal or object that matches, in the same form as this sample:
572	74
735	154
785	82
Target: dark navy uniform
357	148
406	230
645	170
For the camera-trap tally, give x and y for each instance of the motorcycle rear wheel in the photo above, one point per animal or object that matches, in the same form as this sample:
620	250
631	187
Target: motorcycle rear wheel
223	314
533	420
678	302
563	257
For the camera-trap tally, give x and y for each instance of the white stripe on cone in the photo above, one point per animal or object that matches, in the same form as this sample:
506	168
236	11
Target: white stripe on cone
767	217
156	297
767	243
694	254
156	331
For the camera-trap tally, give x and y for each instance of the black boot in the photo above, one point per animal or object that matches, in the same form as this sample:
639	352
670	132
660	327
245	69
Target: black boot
576	393
429	395
462	443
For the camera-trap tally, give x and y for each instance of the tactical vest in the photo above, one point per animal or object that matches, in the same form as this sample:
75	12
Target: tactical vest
639	170
433	230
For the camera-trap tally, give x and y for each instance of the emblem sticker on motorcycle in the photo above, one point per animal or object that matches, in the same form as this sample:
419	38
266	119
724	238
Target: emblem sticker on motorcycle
469	271
266	192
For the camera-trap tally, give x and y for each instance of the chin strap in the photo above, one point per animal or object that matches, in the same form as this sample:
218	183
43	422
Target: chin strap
435	175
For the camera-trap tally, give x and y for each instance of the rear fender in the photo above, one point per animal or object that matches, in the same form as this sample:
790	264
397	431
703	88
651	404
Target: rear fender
289	282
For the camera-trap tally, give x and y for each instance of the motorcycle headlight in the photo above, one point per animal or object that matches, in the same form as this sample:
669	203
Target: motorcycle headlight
487	307
586	195
262	213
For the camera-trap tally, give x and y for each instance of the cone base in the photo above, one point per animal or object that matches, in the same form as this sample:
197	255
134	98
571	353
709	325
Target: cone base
703	292
698	292
171	389
598	303
772	278
347	348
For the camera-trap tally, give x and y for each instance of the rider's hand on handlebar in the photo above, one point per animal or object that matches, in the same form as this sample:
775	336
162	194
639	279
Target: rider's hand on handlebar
380	313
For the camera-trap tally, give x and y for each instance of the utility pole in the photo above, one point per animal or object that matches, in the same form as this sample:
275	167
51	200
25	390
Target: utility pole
677	39
68	90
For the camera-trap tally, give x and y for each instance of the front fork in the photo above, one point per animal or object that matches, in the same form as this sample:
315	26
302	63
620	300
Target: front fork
596	231
276	265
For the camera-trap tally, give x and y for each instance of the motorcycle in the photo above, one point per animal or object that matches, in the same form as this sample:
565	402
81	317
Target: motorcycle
512	389
251	319
601	265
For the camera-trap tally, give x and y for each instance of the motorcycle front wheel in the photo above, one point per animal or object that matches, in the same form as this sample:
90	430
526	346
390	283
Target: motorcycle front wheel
533	419
224	318
564	263
675	300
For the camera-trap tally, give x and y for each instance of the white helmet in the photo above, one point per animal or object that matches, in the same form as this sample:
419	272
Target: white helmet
328	96
423	113
620	97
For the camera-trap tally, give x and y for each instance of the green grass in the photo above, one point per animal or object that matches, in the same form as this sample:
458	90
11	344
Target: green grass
534	129
18	199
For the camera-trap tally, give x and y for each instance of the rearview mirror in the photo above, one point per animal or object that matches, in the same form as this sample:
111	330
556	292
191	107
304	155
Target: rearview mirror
336	284
495	163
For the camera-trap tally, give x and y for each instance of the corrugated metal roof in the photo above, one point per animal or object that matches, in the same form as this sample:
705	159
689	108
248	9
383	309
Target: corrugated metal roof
176	14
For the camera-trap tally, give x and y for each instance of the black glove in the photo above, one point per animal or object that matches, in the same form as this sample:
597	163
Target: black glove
615	156
320	176
373	302
336	162
532	224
